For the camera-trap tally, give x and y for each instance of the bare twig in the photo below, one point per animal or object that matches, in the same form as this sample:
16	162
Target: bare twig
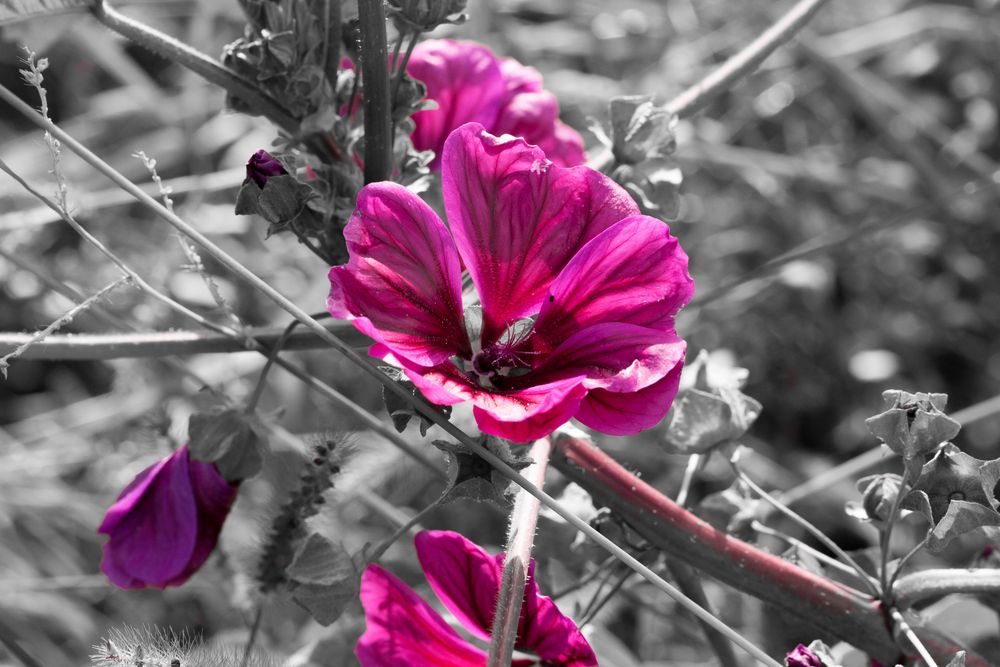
743	63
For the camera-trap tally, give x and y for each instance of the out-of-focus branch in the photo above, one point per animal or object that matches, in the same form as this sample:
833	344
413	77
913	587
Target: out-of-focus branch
165	343
746	61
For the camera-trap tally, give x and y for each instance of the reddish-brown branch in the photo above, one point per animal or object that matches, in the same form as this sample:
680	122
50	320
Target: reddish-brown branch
831	607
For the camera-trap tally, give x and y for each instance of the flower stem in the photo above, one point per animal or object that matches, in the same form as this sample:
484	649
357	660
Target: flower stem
375	93
919	586
520	540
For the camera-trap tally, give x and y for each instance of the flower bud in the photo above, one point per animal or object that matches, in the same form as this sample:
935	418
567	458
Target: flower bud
878	495
262	166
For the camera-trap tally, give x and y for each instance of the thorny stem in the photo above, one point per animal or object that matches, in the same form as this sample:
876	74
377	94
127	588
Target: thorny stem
739	65
800	520
517	559
375	93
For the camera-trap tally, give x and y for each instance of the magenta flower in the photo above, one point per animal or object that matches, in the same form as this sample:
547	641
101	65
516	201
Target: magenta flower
405	630
470	84
801	656
262	166
165	523
577	292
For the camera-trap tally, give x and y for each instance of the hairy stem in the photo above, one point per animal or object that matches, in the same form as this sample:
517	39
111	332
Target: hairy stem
375	93
520	541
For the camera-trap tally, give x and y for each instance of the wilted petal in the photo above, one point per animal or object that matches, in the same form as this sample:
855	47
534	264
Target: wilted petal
518	219
627	413
152	527
464	79
633	272
402	285
463	575
405	630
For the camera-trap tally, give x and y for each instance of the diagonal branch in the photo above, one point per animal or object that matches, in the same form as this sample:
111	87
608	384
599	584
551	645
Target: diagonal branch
743	63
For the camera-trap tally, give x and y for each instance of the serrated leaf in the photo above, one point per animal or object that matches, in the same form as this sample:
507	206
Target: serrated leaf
12	11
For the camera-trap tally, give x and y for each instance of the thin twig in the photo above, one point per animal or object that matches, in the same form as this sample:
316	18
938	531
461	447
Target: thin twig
912	636
797	518
517	559
743	63
60	322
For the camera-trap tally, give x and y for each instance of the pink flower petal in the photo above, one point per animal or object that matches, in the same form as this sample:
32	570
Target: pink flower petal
518	219
402	285
563	145
153	527
614	356
464	79
405	630
549	633
628	413
214	497
560	404
463	575
517	79
633	272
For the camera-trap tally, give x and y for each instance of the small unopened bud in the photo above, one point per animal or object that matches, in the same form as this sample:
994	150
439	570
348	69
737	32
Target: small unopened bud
262	166
878	496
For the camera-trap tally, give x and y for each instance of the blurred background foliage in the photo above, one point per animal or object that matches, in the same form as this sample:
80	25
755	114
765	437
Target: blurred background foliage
879	113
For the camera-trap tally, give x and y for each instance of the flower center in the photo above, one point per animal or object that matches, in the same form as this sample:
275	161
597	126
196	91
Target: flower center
508	357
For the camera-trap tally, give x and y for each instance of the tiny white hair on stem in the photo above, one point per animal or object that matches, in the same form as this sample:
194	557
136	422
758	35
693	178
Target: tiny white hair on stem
151	646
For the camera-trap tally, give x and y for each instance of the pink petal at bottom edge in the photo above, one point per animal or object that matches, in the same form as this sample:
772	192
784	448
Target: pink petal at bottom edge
405	630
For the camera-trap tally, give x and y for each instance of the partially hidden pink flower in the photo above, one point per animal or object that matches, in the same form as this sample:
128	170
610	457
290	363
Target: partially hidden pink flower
577	291
262	166
405	630
165	523
801	656
471	85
